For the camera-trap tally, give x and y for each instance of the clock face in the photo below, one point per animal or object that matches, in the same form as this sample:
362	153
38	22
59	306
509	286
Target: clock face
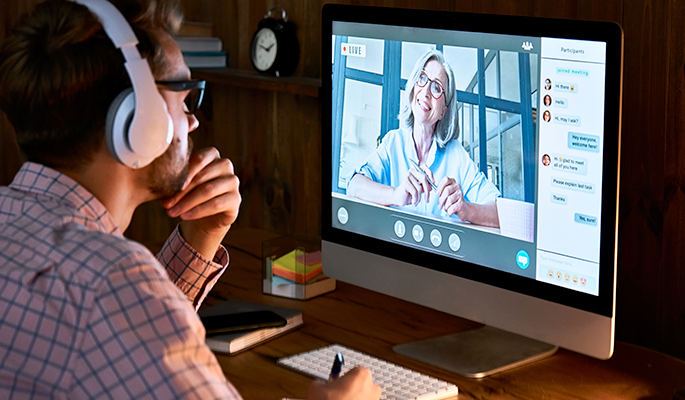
264	49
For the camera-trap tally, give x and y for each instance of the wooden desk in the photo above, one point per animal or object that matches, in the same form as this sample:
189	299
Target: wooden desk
373	323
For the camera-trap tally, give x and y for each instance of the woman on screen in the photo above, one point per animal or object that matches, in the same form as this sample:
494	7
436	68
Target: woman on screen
422	166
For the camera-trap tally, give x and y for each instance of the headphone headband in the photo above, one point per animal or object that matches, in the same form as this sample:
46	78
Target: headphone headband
134	140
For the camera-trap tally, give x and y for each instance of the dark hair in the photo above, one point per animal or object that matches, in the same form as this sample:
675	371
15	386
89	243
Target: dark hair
59	72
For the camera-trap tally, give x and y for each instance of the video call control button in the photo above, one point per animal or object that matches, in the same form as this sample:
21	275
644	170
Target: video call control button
454	242
400	229
417	233
436	238
522	259
343	216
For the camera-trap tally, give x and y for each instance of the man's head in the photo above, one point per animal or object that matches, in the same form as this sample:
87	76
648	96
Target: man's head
59	72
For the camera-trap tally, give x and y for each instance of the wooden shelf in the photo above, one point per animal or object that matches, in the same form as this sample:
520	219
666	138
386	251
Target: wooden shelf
254	80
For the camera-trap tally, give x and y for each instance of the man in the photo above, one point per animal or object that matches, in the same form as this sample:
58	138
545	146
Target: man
86	313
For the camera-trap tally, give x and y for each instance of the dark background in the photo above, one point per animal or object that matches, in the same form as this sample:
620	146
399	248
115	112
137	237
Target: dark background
272	134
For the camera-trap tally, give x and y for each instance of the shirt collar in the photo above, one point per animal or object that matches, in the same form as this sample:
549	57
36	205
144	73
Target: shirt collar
39	179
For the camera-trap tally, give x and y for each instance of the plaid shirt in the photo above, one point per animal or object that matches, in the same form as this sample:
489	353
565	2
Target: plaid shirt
87	313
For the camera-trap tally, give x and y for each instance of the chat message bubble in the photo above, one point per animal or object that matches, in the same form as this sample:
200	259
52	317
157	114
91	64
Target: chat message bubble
566	87
560	102
577	165
559	199
566	120
585	219
581	141
573	185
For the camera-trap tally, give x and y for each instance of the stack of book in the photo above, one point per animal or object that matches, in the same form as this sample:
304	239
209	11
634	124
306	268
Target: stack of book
200	48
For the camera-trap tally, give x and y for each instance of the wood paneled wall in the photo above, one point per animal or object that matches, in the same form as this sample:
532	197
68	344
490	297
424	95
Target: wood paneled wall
274	141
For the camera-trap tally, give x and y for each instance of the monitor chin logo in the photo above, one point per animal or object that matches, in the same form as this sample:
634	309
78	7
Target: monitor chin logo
527	46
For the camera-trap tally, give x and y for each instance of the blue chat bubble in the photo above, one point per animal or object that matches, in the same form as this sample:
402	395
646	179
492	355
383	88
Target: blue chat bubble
585	219
581	141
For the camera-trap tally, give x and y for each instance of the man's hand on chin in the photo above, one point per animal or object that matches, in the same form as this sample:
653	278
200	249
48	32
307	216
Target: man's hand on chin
208	203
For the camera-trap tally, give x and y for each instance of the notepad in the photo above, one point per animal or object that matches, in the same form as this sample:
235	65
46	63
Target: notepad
232	343
297	266
516	218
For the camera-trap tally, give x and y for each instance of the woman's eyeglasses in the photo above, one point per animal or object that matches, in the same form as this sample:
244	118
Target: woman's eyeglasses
196	90
436	89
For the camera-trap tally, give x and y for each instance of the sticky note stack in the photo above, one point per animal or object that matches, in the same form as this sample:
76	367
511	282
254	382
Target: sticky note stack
302	268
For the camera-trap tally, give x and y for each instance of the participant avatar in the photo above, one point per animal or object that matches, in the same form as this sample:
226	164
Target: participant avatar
548	100
548	84
546	160
547	116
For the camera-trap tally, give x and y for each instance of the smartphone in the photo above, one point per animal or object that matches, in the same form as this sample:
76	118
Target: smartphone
226	323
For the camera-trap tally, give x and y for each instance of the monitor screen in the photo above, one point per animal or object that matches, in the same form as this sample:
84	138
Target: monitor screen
474	150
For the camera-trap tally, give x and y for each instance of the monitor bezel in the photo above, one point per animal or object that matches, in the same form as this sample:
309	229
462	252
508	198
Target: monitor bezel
608	32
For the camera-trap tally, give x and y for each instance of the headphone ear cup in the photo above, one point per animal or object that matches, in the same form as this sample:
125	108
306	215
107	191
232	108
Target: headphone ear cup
119	117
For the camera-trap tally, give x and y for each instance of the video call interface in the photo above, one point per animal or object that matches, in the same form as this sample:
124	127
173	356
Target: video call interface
526	139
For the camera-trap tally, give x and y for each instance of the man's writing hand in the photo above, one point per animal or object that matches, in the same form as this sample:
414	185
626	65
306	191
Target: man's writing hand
354	385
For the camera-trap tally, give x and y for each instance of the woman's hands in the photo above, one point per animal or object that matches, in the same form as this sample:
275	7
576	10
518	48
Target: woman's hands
450	196
413	186
453	202
452	199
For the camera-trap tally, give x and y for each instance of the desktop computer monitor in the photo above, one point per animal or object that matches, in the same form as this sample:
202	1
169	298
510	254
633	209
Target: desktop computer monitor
471	165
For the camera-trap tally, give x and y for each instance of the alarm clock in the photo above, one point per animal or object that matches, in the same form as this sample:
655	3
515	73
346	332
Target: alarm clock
275	49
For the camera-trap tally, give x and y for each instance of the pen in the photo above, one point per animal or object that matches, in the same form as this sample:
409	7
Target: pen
338	362
424	174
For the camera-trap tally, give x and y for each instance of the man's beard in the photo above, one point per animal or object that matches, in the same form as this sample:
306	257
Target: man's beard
169	172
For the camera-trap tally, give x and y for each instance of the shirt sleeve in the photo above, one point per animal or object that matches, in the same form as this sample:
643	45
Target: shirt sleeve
194	274
378	164
143	340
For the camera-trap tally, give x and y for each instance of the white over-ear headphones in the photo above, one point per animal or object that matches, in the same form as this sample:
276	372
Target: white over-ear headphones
139	128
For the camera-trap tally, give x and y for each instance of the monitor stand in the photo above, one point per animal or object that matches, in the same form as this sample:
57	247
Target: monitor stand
477	353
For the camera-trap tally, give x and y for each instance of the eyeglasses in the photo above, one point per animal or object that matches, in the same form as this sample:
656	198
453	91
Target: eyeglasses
436	89
196	90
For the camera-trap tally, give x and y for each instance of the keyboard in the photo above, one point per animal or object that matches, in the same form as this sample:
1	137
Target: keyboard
397	382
